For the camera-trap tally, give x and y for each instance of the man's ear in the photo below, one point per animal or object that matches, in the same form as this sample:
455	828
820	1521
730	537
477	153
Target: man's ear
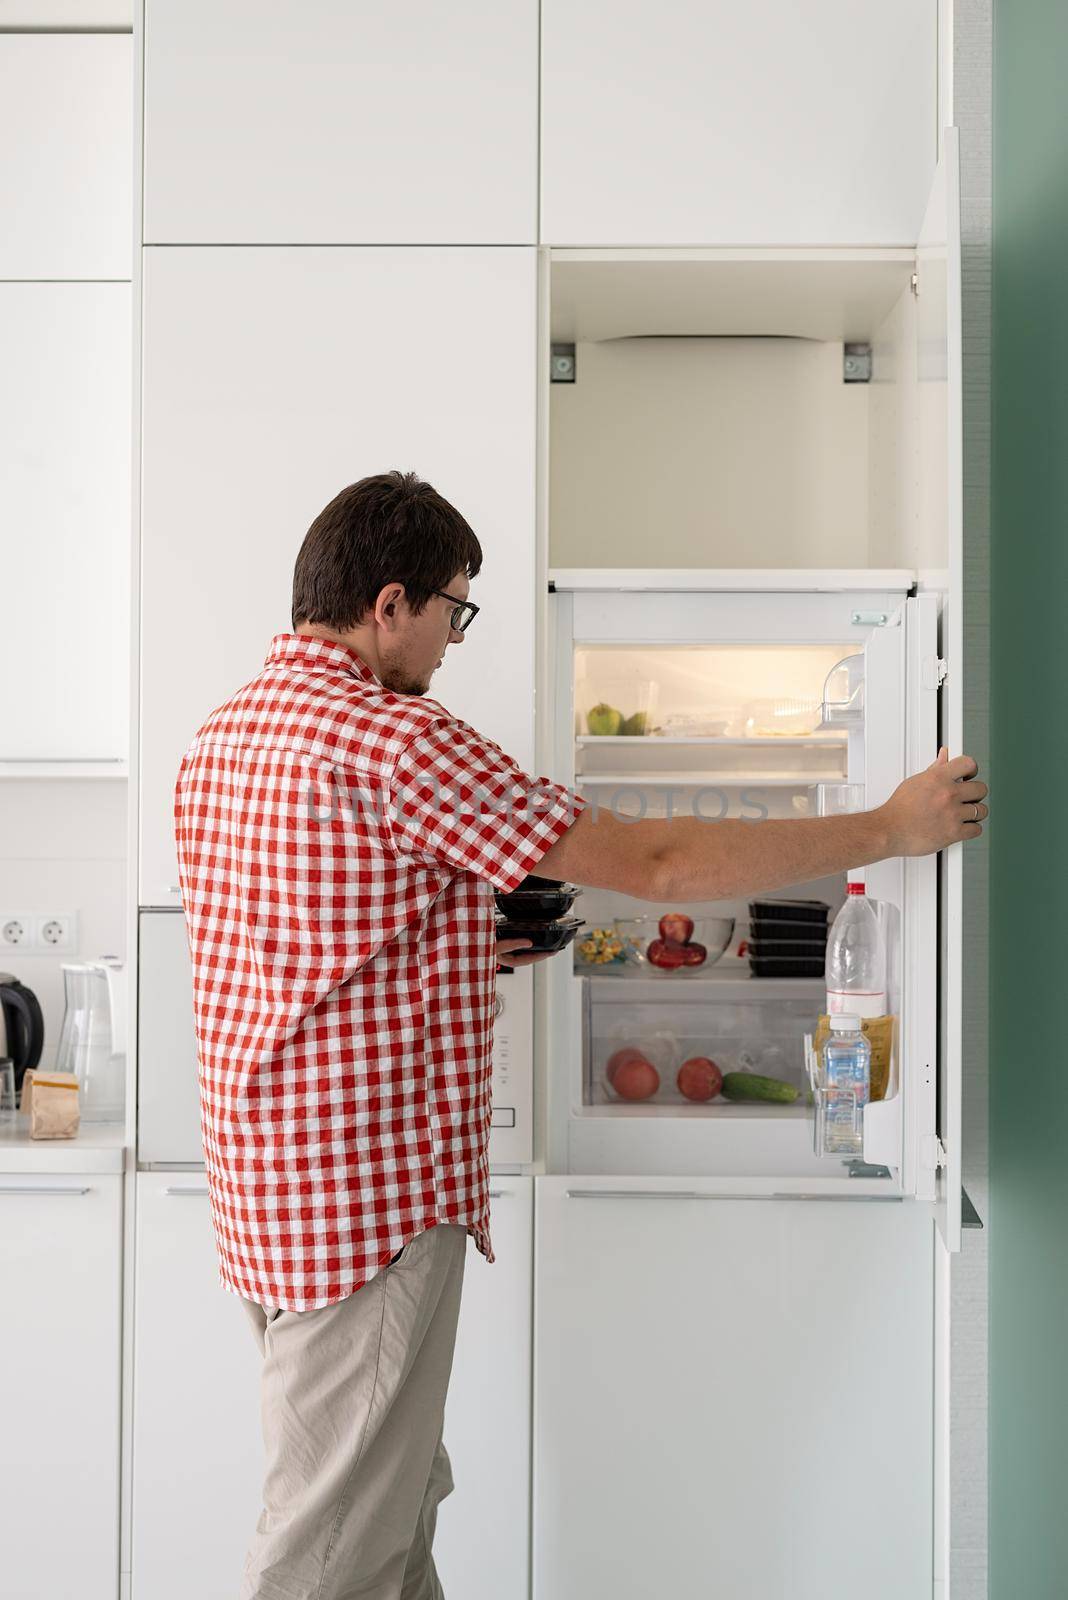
387	606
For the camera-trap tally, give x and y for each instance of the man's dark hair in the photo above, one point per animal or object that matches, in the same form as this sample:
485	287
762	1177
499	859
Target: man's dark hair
392	528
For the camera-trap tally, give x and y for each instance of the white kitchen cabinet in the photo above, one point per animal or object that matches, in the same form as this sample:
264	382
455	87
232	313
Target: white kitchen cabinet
60	1353
727	124
482	1546
197	1445
168	1099
65	510
348	124
273	378
731	1397
66	154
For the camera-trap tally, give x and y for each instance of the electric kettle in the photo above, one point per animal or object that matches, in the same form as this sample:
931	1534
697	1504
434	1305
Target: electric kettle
92	1044
21	1026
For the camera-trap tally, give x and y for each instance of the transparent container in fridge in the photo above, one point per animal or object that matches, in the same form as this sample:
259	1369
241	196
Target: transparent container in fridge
758	1035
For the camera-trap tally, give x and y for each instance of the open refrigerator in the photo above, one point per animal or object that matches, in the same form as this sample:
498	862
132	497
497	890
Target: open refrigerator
746	688
750	704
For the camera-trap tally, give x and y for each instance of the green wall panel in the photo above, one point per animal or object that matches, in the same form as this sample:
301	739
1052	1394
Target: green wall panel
1029	793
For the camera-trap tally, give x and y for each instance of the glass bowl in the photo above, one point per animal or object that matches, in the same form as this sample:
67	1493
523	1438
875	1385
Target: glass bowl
636	934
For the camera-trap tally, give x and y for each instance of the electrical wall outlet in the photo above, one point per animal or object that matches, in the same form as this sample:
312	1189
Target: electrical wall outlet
39	932
16	930
58	930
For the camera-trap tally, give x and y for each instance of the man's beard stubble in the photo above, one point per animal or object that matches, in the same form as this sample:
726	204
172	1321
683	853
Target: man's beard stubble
397	676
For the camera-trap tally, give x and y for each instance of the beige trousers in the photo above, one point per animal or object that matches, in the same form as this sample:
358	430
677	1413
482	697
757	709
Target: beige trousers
352	1402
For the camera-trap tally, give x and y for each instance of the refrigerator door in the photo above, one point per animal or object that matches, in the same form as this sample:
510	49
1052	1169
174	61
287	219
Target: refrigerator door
940	412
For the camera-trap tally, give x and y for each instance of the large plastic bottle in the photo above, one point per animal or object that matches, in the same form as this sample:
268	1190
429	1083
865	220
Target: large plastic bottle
856	959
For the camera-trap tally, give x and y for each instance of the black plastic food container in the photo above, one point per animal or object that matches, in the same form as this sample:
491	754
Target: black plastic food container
814	911
530	903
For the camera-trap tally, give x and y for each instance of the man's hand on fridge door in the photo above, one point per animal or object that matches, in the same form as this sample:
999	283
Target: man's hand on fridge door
506	949
937	807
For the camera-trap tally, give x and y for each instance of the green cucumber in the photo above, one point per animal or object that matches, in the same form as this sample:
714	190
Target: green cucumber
751	1086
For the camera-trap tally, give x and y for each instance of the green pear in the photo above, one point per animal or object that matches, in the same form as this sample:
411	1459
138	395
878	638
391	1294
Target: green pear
636	725
602	719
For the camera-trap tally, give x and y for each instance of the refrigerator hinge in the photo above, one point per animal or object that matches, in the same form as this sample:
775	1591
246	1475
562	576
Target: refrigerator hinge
932	1153
876	619
562	363
933	672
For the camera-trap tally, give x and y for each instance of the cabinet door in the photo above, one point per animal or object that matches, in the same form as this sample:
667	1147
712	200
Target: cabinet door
66	154
272	378
724	124
482	1547
60	1355
412	124
731	1397
940	388
65	511
197	1445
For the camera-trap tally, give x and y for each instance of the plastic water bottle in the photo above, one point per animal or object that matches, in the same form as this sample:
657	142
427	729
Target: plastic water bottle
856	959
846	1086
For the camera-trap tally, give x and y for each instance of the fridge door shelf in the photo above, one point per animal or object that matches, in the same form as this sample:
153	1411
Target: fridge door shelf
843	694
882	1133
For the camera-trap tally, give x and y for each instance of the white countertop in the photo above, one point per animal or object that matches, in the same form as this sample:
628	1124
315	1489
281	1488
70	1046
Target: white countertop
97	1147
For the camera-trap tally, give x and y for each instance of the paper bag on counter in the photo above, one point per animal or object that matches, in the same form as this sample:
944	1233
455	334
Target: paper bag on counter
51	1098
879	1032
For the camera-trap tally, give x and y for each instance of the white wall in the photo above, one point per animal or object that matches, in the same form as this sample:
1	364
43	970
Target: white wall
63	848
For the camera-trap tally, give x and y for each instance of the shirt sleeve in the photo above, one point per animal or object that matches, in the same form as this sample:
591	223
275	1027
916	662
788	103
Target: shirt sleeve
457	800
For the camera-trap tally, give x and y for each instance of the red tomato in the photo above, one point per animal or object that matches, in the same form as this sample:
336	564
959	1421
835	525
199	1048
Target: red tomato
675	928
619	1059
699	1079
636	1079
663	954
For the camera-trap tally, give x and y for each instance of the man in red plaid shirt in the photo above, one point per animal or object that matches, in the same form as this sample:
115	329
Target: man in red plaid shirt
340	836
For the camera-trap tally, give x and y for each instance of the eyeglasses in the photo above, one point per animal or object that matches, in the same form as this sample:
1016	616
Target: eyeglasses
463	611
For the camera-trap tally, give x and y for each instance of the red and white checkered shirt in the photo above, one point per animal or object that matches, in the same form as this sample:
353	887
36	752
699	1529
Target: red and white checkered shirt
338	848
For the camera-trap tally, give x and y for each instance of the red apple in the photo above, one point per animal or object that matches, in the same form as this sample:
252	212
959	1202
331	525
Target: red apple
636	1079
620	1059
693	954
699	1079
675	928
664	954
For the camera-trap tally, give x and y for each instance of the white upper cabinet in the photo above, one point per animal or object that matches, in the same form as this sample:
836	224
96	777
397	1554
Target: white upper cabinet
66	155
273	378
729	124
337	123
65	516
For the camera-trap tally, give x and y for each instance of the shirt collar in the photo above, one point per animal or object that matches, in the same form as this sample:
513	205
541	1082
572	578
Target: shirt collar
300	651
